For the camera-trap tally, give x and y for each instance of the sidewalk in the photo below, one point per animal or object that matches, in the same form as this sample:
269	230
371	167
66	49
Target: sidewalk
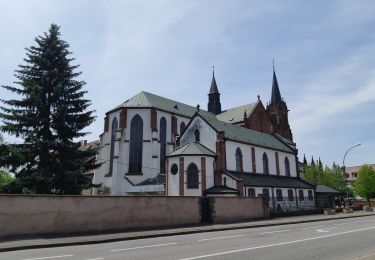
103	238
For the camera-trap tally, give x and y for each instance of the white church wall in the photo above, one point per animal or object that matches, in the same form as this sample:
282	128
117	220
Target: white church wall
230	150
173	184
197	161
209	172
174	180
230	182
207	134
259	151
292	164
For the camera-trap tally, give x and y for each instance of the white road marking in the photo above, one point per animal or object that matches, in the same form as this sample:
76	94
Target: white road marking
277	244
313	227
278	231
49	257
323	230
140	247
96	258
215	238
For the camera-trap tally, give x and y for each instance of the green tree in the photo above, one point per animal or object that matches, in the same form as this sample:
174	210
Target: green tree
313	174
5	178
334	178
50	113
364	185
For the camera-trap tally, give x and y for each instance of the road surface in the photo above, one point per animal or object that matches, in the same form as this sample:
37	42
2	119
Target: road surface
334	239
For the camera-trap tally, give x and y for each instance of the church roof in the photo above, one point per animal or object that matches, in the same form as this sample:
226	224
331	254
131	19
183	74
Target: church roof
320	188
148	100
245	135
191	149
236	114
262	180
221	190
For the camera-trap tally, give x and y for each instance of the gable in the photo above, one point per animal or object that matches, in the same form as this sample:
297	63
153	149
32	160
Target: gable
207	133
259	120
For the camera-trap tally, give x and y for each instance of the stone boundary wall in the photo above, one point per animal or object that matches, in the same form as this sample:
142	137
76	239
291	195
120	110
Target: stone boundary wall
34	215
225	209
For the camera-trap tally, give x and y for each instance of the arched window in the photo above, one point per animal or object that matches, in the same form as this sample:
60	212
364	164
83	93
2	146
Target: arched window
265	164
239	167
287	166
301	195
192	177
197	135
251	192
113	137
182	127
163	143
290	195
266	193
136	145
279	195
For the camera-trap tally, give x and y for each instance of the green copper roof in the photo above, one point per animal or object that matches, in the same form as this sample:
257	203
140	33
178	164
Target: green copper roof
236	114
245	135
192	149
147	100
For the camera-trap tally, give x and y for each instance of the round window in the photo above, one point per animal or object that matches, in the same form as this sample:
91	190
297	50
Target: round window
174	169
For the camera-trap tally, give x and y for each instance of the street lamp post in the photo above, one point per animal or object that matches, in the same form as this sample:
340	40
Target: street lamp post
343	163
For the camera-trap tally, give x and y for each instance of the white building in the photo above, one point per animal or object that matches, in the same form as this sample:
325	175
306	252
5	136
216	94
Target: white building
154	145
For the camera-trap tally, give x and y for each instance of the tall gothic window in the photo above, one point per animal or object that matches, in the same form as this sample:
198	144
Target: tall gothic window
192	176
239	160
197	135
163	143
265	164
113	137
287	166
182	127
136	145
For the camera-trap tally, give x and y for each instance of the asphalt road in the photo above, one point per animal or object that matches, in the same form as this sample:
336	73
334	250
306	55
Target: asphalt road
334	239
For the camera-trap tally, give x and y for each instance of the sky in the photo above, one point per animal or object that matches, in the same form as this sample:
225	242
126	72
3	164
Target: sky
324	54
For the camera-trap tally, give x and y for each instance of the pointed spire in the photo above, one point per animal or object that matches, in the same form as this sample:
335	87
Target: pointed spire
213	88
304	160
312	161
275	95
320	163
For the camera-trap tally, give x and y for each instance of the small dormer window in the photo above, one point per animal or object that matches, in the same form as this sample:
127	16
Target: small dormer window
197	135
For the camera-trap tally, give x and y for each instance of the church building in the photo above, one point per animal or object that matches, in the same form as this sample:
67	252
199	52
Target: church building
152	145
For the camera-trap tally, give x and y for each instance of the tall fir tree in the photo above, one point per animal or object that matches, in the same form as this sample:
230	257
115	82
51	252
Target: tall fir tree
50	113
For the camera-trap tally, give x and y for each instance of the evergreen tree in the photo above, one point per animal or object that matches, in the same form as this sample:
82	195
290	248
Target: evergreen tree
50	113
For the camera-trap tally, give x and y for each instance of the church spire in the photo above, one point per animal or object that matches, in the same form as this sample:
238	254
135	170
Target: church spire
213	88
214	105
275	95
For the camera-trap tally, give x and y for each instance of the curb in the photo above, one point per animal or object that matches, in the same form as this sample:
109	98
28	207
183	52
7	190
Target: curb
187	232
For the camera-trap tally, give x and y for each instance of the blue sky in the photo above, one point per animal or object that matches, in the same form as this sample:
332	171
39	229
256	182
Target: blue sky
324	57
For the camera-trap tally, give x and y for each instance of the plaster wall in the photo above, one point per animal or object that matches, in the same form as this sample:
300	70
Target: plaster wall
32	215
227	209
173	180
207	134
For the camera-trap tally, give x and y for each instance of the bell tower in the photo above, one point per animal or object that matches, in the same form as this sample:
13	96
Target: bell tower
277	111
214	105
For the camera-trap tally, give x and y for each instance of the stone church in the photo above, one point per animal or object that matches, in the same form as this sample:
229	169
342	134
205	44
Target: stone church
152	145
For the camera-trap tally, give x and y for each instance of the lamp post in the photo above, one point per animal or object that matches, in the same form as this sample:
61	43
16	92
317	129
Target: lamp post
343	163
